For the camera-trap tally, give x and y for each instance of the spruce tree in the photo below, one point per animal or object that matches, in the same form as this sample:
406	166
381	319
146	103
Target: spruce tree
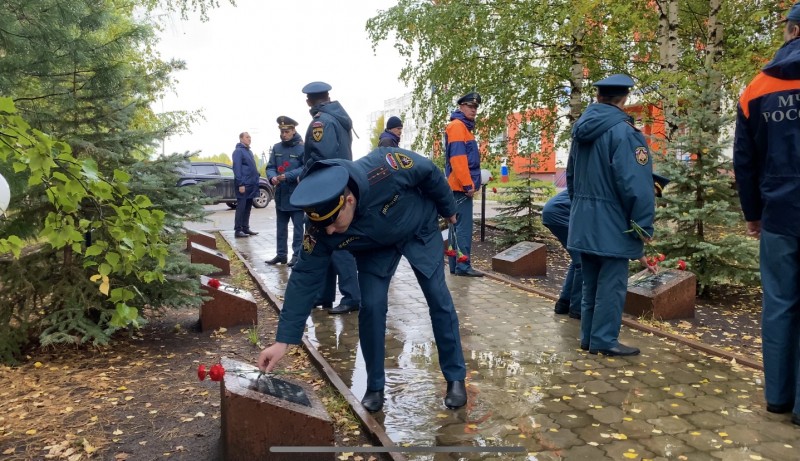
699	218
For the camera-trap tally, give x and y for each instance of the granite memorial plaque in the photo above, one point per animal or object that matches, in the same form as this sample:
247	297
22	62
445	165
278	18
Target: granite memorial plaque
522	259
228	307
670	294
259	412
204	255
201	238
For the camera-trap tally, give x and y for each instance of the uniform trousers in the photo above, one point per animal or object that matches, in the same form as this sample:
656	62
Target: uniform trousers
463	232
605	286
282	232
342	265
241	220
780	318
572	290
372	324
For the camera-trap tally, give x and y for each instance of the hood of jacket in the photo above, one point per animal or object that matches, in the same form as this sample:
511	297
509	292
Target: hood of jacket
786	63
296	139
334	109
389	135
596	120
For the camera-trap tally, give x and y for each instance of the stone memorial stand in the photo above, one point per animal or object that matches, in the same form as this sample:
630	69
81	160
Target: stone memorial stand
667	295
522	259
228	307
203	255
263	412
201	238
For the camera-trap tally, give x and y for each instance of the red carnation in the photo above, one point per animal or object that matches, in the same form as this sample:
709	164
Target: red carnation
661	257
463	258
217	372
214	283
285	163
281	169
681	265
451	252
494	189
201	372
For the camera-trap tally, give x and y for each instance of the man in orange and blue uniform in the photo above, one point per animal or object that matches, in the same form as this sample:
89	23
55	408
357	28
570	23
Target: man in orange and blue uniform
766	161
463	170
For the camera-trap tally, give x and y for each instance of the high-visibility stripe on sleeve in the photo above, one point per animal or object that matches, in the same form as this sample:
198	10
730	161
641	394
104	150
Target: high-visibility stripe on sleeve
762	85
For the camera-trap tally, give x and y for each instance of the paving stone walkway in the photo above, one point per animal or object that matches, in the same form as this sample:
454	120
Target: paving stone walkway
531	386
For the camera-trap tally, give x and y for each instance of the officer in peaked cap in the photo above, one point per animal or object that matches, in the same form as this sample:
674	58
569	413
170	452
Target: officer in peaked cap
611	185
472	99
381	207
614	85
329	137
659	182
284	167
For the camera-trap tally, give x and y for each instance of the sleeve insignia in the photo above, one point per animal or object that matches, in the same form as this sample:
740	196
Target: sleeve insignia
391	161
308	243
642	156
404	161
317	131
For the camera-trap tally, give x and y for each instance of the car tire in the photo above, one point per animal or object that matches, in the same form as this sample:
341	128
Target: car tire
231	205
263	199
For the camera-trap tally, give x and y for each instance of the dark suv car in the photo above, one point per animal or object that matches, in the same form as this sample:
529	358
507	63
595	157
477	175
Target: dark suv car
216	180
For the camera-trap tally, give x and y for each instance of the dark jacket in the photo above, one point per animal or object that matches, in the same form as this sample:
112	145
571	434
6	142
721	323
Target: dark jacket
388	139
556	210
766	151
399	196
610	183
245	172
328	135
286	159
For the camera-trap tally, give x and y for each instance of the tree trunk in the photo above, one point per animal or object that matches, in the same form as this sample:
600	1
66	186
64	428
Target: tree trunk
576	75
714	48
668	59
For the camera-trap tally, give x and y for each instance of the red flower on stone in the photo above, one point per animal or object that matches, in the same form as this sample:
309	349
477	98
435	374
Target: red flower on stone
494	190
681	265
217	372
661	257
201	372
214	283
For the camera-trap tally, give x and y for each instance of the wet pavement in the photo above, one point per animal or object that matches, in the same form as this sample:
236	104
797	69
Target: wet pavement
529	383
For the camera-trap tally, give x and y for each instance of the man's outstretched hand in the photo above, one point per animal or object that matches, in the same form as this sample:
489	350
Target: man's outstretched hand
270	356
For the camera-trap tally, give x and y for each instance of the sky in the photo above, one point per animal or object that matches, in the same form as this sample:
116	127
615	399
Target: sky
247	65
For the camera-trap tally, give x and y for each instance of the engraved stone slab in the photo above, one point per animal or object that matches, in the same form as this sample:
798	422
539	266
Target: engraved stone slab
522	259
201	238
228	307
670	294
203	255
254	420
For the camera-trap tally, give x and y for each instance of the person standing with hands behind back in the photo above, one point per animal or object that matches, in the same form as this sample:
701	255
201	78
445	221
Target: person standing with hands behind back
610	184
463	171
284	167
245	180
766	161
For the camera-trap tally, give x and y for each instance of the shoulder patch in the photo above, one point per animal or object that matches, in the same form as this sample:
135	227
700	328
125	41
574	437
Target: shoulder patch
642	155
404	161
317	130
309	242
391	161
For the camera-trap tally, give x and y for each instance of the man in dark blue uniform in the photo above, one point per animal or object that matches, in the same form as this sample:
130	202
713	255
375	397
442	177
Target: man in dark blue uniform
766	160
245	180
283	170
381	207
610	183
328	137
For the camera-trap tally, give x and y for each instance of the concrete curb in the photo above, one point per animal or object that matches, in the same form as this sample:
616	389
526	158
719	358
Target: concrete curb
375	430
633	323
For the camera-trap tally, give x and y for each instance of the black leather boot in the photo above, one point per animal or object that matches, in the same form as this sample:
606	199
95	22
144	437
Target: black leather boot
456	395
373	401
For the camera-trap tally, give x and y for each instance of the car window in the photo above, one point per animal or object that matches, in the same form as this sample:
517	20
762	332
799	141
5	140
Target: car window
225	171
205	169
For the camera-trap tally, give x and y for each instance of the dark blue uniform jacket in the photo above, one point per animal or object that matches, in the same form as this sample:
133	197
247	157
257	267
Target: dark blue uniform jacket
766	151
286	158
556	210
245	172
610	183
400	194
328	135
